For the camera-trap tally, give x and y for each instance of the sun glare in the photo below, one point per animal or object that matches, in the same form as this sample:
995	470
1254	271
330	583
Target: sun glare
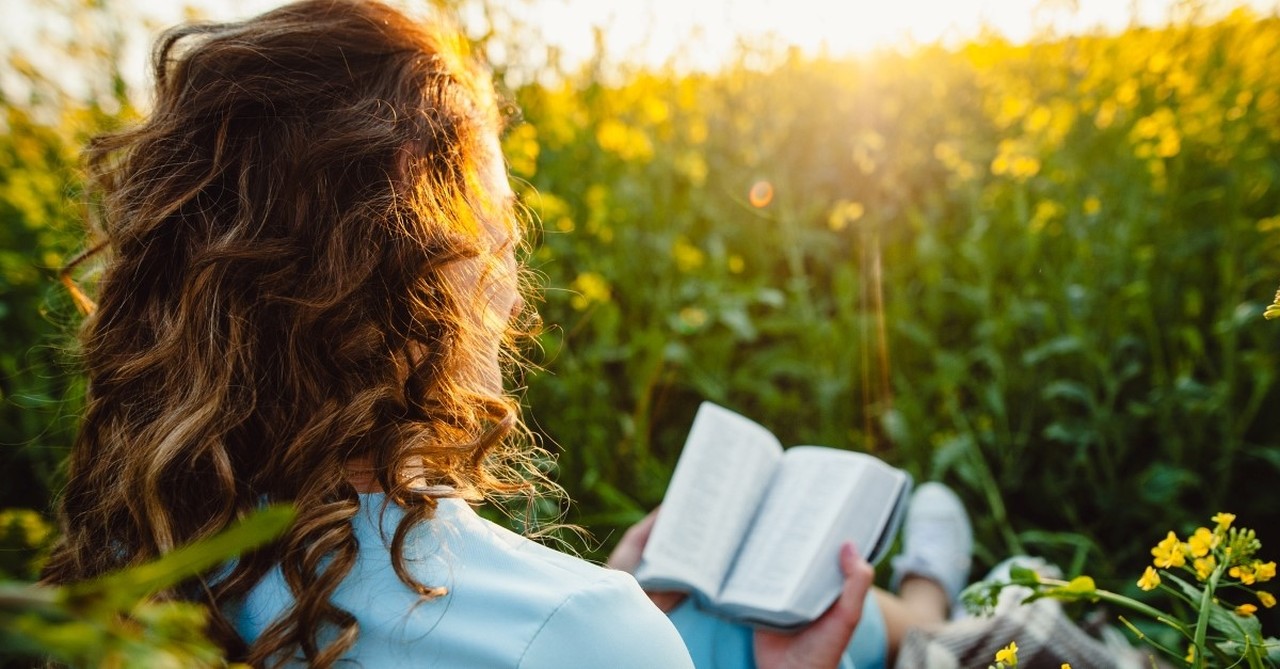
703	33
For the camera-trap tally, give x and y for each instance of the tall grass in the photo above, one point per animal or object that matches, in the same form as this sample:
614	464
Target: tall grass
1078	238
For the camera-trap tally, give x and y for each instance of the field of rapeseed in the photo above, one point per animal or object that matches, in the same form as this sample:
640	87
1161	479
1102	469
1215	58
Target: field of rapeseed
1074	242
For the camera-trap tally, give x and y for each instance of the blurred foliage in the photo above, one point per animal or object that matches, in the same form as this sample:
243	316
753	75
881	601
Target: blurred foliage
38	232
113	622
1077	240
46	115
25	536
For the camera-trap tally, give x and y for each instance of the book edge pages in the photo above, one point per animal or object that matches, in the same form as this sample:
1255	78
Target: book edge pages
792	614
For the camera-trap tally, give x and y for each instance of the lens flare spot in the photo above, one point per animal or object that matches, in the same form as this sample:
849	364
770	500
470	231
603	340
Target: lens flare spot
761	194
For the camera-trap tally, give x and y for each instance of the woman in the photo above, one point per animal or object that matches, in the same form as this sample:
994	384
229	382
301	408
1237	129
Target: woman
308	292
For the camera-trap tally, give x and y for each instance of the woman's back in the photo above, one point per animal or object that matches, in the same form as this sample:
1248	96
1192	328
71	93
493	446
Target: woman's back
510	602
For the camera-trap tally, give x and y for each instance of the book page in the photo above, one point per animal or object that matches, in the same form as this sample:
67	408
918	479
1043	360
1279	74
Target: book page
715	490
794	525
873	512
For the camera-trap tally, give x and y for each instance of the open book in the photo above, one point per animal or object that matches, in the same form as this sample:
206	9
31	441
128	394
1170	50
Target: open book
753	531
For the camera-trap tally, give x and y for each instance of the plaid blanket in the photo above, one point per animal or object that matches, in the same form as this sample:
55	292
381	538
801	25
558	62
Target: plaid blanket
1045	637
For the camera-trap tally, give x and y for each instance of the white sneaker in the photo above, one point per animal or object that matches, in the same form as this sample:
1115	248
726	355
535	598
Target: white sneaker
937	540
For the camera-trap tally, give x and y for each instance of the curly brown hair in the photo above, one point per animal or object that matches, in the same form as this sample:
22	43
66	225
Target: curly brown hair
280	298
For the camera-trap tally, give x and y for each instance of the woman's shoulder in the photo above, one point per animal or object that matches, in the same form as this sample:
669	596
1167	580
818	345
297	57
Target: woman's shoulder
586	615
463	551
607	622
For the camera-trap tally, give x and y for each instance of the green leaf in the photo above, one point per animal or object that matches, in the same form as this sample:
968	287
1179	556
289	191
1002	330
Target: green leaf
1080	587
1161	483
1023	576
81	624
1244	629
1221	618
739	323
121	590
1268	454
1064	345
1272	647
980	598
1193	592
1067	390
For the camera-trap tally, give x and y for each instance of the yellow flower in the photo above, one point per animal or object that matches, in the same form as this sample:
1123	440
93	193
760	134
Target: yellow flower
693	317
1268	600
687	256
844	213
1106	115
1191	654
1264	571
1015	159
1008	655
1170	143
1046	211
1025	167
1202	542
1150	579
1204	566
1168	553
520	147
1246	610
589	288
1223	519
1244	573
630	144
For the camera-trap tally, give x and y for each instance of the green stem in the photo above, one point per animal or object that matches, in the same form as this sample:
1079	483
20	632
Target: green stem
1126	602
1141	636
1135	605
1206	601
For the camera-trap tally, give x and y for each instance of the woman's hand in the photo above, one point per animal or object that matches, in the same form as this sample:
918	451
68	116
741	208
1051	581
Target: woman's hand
822	642
626	557
818	646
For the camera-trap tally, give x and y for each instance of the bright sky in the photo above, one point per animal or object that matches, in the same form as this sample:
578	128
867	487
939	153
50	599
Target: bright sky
701	33
658	28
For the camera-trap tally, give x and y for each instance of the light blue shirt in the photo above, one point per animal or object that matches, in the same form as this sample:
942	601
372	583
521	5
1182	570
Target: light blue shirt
511	602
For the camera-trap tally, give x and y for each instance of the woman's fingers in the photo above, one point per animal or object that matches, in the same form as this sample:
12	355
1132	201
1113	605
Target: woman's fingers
822	643
858	576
